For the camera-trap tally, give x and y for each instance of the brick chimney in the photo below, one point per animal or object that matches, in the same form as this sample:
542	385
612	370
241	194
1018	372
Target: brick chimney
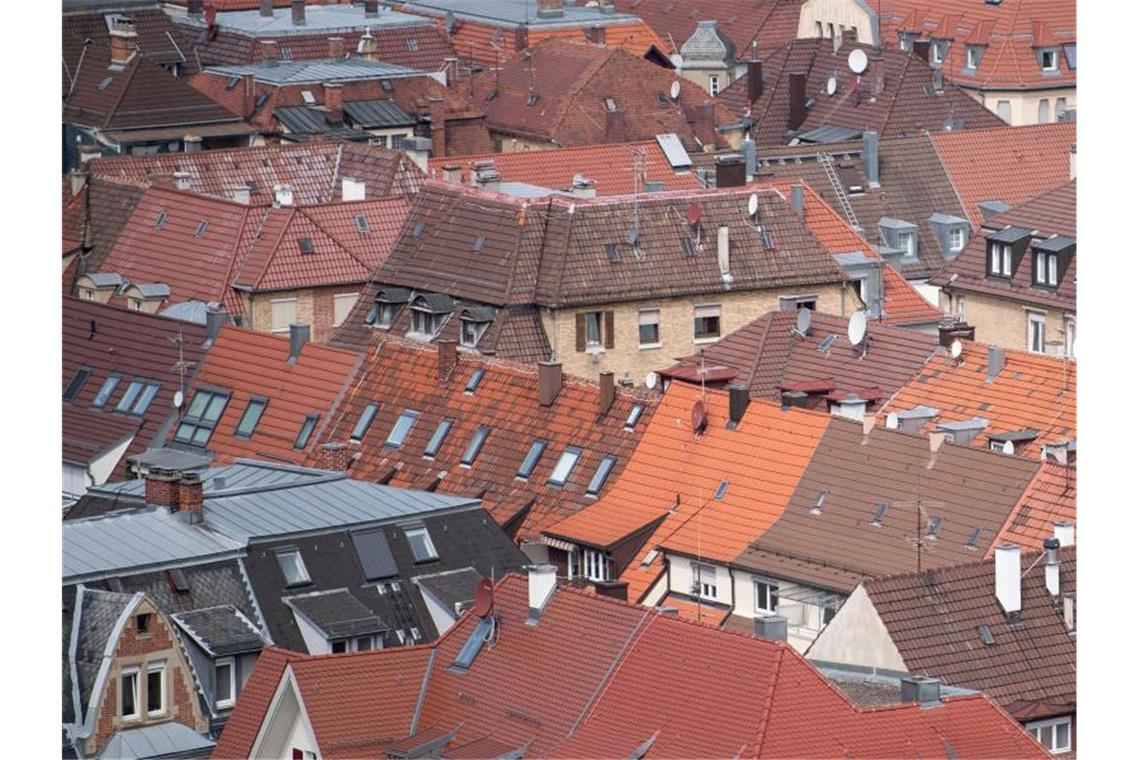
797	100
549	382
162	488
194	8
368	48
266	8
334	99
615	126
298	12
336	47
605	392
448	358
268	50
334	456
438	130
124	40
190	497
371	8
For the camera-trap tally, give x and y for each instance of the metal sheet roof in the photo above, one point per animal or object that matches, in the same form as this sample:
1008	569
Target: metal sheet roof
940	218
674	151
242	475
521	12
1011	235
308	120
371	114
188	311
316	71
156	740
318	19
1056	244
830	133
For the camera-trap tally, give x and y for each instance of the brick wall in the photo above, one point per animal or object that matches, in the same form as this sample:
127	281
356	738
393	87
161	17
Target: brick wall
1003	322
315	307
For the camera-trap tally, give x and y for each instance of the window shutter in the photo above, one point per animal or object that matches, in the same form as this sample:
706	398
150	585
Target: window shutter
579	332
609	329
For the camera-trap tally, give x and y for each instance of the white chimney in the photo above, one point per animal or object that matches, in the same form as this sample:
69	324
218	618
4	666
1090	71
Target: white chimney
541	582
352	189
722	254
1052	567
240	193
1007	578
182	180
1073	162
1065	532
283	195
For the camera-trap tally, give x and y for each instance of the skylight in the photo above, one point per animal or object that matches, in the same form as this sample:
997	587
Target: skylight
411	43
987	635
293	567
438	437
565	466
306	431
476	378
933	528
473	645
400	430
202	227
721	490
133	391
972	542
418	230
177	578
533	100
105	391
150	390
477	246
634	416
601	474
423	550
531	458
307	97
687	246
250	417
305	245
476	444
365	421
203	413
76	384
160	219
817	509
880	511
612	253
361	223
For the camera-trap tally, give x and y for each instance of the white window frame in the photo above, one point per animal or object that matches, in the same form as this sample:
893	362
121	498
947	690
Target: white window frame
385	314
1008	118
908	239
476	328
304	578
643	317
1035	728
160	668
819	29
957	239
338	298
936	55
704	590
1070	335
232	665
1045	269
595	565
599	321
714	85
1055	54
1001	259
1033	318
431	320
429	546
771	588
123	675
274	302
973	57
704	311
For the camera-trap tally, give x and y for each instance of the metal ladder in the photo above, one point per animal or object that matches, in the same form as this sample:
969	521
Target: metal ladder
828	164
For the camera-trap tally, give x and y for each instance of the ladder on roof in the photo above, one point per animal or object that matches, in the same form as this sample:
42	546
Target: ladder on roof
401	607
828	164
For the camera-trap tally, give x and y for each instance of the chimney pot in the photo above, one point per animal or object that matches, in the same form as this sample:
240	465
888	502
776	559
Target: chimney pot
738	400
550	8
605	392
722	253
549	382
542	580
334	100
182	180
448	358
334	456
268	50
283	195
298	12
1007	578
298	337
190	497
731	170
266	8
1065	533
161	488
925	691
798	200
1052	567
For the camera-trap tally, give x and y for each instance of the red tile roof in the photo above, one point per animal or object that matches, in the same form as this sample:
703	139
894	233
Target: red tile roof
1010	164
1050	498
248	364
256	694
400	375
611	166
771	23
674	474
111	204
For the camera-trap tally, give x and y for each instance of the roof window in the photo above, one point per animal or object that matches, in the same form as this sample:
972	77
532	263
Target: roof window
473	645
306	431
721	490
531	459
605	467
365	421
411	43
987	635
477	246
418	230
292	567
478	438
374	554
972	542
139	393
438	437
423	550
260	100
76	385
305	245
307	97
202	227
565	466
533	100
250	417
160	219
612	253
361	223
176	578
105	391
476	378
232	82
634	416
817	508
400	430
105	83
201	416
880	512
933	527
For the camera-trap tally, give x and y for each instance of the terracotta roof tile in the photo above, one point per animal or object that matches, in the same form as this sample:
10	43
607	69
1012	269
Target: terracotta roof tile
1050	498
111	204
771	23
256	694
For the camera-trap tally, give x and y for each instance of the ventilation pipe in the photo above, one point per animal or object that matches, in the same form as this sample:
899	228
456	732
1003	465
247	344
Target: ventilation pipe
1007	578
722	259
798	201
1052	567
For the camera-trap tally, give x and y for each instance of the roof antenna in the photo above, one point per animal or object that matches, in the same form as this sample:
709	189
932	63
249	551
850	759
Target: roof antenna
181	365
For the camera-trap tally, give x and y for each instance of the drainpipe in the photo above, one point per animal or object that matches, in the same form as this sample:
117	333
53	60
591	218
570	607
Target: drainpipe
732	587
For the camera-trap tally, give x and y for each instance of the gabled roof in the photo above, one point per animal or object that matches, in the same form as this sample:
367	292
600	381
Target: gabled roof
1010	164
399	376
670	484
1032	391
933	618
900	105
770	23
1052	218
1050	498
832	533
220	631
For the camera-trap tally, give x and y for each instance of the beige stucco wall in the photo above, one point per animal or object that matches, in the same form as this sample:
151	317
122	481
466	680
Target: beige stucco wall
516	144
700	77
1003	322
676	327
842	13
857	636
1023	105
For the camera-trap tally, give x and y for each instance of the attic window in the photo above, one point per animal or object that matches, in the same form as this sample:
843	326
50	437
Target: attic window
305	245
601	474
401	428
160	219
105	83
386	85
817	508
611	104
532	100
721	490
306	431
974	56
423	550
490	95
478	438
438	437
293	568
933	528
365	421
565	466
76	384
987	635
634	416
531	459
880	512
177	580
307	97
260	101
612	253
286	52
1001	259
972	542
687	246
232	82
476	378
250	417
105	391
202	227
203	413
473	645
1047	57
477	246
361	223
418	230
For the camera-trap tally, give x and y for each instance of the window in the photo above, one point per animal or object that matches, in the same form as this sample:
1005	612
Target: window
1036	332
1043	111
201	416
129	397
156	688
634	416
819	29
600	475
362	644
767	597
714	85
142	624
1049	59
473	383
225	682
831	31
149	391
250	417
339	647
594	328
973	57
129	694
472	646
135	304
1001	259
306	431
282	313
565	466
1062	108
531	459
1045	269
1070	337
400	430
202	227
438	437
908	242
471	331
383	314
937	51
649	328
475	445
905	42
1003	111
706	323
704	581
105	391
422	548
1053	734
595	565
76	384
957	239
342	305
365	421
292	567
425	323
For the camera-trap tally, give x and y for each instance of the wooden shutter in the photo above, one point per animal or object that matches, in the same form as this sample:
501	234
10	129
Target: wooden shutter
579	332
609	329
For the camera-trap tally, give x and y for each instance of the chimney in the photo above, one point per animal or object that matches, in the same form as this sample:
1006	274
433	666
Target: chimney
438	130
240	193
584	187
1052	567
730	171
418	149
266	8
542	580
1073	162
550	8
797	100
549	382
190	497
267	50
1007	579
162	487
486	175
871	157
755	76
448	358
371	8
336	47
615	126
798	200
368	47
771	627
996	363
211	15
216	319
748	150
353	189
925	691
334	456
738	400
922	49
191	144
936	441
124	40
182	180
298	12
194	8
334	100
452	173
722	259
1065	533
298	337
605	392
283	195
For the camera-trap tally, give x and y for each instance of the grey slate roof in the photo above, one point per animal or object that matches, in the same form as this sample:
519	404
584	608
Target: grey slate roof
317	71
172	459
221	631
99	612
153	289
338	614
105	279
708	43
156	740
452	587
371	114
828	133
1011	235
242	474
1056	244
310	120
188	311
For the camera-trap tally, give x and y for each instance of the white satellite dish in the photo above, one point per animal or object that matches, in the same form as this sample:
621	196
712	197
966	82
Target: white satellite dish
178	399
893	421
675	90
1007	447
803	321
956	348
753	204
832	85
857	61
857	328
651	380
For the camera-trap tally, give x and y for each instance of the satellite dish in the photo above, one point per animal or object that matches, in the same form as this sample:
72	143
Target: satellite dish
651	380
893	421
675	90
1007	447
857	328
178	399
484	598
700	417
693	213
803	321
832	85
753	204
857	61
956	348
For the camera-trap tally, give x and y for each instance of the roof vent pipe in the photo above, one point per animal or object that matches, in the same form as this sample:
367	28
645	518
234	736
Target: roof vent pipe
542	580
738	400
1007	578
298	12
748	149
298	337
1052	567
605	392
1065	533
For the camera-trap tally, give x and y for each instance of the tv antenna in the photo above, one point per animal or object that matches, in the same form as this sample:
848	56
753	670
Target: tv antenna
180	366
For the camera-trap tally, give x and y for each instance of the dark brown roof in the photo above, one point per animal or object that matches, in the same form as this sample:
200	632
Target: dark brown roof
771	23
768	355
933	619
134	345
102	207
963	487
897	106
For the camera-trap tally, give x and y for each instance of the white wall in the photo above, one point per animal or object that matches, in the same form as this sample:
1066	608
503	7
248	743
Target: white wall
681	578
75	480
315	640
442	617
857	636
286	728
930	292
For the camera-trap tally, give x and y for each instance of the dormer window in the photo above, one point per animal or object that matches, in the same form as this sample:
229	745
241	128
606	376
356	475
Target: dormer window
938	50
906	41
908	242
472	324
1045	269
1001	259
957	236
425	322
429	312
1048	58
974	56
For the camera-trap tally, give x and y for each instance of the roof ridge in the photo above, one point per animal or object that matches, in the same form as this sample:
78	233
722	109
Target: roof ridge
303	211
607	678
766	708
133	65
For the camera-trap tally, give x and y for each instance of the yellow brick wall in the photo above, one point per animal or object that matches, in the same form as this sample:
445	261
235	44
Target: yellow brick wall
515	144
1003	322
1023	105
